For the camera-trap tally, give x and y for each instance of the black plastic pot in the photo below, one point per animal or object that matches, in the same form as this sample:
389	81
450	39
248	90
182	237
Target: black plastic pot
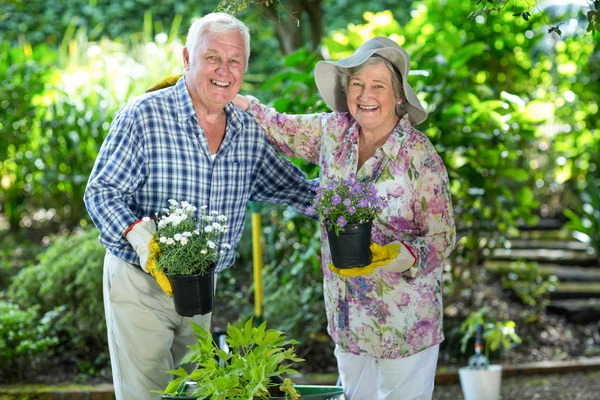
351	247
193	294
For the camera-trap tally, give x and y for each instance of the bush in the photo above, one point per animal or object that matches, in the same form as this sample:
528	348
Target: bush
69	274
23	336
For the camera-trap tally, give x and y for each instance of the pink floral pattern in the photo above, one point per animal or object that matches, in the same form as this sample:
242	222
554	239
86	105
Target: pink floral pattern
385	314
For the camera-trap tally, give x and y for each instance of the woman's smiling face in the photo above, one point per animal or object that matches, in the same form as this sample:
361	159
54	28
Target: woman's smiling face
371	98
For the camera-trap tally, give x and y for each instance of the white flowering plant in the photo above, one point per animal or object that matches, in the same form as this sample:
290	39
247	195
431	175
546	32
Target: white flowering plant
186	245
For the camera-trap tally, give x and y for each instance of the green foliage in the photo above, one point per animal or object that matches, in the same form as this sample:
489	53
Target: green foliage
496	334
292	276
255	357
16	252
526	280
69	275
38	22
59	106
24	336
585	220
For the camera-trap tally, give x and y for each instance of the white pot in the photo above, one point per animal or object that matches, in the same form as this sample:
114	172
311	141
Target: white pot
481	384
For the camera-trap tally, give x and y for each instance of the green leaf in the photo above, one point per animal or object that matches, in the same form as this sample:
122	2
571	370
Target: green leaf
463	55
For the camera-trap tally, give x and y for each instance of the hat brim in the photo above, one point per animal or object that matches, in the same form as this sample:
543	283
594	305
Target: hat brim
328	76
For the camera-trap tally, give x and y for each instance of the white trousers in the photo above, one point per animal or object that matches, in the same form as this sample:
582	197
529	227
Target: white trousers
146	337
367	378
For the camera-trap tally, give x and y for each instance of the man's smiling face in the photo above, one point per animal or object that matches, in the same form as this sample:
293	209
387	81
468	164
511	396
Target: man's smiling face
216	74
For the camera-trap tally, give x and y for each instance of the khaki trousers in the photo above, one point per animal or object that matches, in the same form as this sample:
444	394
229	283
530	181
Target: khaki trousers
146	337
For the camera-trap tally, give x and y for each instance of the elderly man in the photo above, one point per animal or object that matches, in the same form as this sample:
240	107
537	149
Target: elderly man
185	142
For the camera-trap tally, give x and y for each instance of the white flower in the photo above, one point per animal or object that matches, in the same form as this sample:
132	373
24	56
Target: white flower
221	218
216	225
173	202
186	234
208	229
226	246
203	251
211	244
163	239
208	218
204	207
213	212
146	219
184	241
170	241
162	223
222	252
197	232
177	237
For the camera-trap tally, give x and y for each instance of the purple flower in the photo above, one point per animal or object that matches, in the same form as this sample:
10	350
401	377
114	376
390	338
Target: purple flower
336	199
347	202
310	210
342	221
362	203
351	210
326	211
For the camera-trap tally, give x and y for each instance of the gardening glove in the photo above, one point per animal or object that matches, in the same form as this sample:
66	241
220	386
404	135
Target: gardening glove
140	236
165	82
392	257
153	269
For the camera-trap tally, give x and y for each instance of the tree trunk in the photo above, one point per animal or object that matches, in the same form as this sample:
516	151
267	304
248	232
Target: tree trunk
288	27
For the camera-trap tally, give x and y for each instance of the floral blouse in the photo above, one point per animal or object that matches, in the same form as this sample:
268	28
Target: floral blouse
384	314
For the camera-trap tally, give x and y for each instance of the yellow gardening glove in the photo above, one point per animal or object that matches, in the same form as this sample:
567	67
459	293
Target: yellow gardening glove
394	255
153	269
165	82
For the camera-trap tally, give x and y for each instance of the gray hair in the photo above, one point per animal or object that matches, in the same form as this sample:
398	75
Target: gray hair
348	73
215	23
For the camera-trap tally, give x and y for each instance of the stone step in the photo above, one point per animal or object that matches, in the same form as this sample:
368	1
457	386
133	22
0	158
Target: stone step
549	224
576	290
551	256
581	311
519	243
562	272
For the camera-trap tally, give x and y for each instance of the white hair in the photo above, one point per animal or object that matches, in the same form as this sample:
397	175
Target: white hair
215	23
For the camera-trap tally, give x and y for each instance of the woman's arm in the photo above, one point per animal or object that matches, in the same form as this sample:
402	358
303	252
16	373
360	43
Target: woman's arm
293	135
433	216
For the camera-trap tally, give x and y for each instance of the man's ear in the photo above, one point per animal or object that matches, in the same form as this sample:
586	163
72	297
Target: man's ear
186	58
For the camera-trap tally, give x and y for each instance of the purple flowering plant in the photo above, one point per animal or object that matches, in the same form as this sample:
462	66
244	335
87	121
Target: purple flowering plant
348	201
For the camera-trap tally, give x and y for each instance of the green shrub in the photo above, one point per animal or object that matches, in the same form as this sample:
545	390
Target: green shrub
528	283
69	274
24	336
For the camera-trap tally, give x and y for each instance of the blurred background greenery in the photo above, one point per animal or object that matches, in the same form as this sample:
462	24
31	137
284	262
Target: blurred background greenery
512	111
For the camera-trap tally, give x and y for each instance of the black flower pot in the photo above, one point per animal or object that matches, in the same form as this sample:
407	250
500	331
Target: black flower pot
193	294
351	247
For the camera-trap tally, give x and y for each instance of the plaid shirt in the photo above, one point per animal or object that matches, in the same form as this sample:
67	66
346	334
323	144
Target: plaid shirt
156	151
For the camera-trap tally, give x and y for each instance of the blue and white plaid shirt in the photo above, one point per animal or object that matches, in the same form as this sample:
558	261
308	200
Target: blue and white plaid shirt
156	151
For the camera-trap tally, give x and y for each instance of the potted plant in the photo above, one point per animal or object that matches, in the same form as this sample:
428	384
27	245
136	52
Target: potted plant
481	380
186	250
347	208
251	366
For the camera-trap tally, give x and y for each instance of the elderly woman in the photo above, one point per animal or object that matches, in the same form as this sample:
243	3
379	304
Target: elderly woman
386	321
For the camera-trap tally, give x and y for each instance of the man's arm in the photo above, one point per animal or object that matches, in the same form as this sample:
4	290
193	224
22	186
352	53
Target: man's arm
280	181
117	173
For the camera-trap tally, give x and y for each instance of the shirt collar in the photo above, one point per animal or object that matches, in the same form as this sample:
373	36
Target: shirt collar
186	110
391	147
185	107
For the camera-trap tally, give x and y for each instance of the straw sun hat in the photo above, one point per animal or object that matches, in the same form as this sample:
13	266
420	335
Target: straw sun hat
328	75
